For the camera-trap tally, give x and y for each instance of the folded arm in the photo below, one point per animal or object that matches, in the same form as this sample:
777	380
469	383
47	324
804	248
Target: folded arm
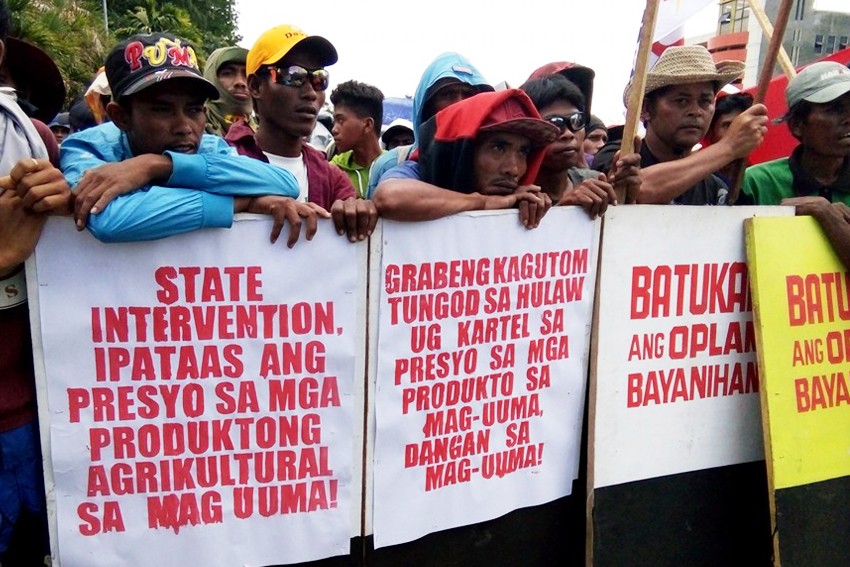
415	200
154	196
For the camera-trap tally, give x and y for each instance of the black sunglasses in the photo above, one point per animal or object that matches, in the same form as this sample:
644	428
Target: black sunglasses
295	76
574	122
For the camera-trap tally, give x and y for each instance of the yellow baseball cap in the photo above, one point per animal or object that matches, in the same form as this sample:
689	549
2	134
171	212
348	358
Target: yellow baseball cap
273	44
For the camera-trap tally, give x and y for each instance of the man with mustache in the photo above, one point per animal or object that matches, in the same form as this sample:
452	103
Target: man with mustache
482	153
287	80
677	108
152	172
815	178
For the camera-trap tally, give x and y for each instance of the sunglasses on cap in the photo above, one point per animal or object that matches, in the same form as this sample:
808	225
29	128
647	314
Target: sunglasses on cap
295	76
574	122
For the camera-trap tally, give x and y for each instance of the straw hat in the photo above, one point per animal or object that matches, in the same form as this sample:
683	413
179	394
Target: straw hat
688	64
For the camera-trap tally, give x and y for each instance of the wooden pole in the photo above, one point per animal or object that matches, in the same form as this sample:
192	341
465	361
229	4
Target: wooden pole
634	99
767	28
765	76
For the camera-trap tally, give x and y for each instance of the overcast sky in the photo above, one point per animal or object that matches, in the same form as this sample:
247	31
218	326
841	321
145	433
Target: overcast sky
388	43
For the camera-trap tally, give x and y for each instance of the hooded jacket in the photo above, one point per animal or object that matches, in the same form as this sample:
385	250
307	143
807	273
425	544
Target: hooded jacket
447	141
445	66
226	110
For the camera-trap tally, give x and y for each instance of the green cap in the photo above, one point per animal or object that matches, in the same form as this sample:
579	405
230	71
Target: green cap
820	82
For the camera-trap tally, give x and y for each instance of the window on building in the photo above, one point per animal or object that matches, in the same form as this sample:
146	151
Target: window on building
842	43
733	16
830	44
800	10
819	43
796	35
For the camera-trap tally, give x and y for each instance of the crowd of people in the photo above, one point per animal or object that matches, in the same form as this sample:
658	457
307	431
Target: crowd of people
159	146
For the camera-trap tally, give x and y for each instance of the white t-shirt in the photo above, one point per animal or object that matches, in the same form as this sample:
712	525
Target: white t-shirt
295	166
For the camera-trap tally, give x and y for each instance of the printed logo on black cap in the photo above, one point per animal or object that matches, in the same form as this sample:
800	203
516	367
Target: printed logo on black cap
165	51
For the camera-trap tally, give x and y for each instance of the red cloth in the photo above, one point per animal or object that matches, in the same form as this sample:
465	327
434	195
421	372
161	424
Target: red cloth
17	380
447	140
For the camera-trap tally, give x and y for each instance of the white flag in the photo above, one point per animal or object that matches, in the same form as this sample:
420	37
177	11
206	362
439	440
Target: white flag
673	14
675	37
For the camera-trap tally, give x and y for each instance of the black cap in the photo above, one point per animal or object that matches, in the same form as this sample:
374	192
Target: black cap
142	61
35	71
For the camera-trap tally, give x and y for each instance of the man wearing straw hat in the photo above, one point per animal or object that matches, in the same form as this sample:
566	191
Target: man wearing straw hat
677	108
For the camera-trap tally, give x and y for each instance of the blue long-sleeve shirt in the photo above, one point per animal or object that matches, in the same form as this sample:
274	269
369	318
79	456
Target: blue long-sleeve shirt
199	193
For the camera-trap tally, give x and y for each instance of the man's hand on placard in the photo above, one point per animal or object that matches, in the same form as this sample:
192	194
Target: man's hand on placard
531	201
594	195
287	209
355	218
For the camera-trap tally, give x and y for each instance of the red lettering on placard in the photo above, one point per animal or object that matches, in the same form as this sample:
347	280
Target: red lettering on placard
447	421
214	284
306	393
818	298
444	449
437	275
694	289
506	462
463	391
448	474
681	385
301	497
807	351
822	391
174	511
292	358
108	404
97	520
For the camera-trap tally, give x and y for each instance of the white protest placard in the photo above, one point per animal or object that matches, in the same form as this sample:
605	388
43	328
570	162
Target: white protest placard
482	362
200	394
676	377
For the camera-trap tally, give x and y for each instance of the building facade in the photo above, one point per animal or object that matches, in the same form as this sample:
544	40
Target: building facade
811	34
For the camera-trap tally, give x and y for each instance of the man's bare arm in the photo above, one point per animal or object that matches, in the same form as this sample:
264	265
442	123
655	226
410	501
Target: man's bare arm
19	228
663	182
414	200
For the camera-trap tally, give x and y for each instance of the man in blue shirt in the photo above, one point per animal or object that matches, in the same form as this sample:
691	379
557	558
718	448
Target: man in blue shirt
152	172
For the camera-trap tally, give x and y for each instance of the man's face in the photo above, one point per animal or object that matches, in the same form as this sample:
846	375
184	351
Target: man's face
566	150
449	92
399	138
348	128
721	125
167	116
500	160
60	133
231	76
826	129
594	141
680	116
292	110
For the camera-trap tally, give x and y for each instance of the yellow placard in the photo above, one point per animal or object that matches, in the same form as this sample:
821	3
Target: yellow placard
801	303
